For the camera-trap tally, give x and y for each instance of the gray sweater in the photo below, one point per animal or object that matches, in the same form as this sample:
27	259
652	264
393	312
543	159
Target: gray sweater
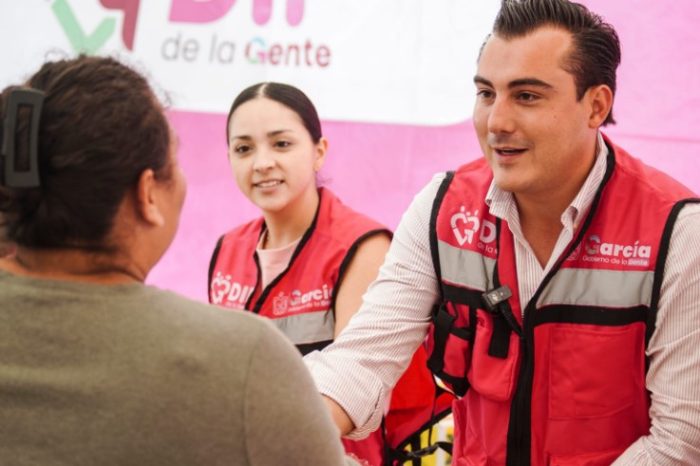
133	375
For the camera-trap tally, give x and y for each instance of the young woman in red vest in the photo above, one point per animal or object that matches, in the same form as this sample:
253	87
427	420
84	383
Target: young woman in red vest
308	260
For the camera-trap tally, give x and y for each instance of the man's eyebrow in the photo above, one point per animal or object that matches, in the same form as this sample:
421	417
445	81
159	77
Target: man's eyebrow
515	83
480	80
529	82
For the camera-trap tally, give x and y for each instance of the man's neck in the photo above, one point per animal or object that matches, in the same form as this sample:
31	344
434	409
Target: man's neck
541	232
541	212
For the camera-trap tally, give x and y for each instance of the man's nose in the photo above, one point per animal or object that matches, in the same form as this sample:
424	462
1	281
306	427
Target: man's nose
501	117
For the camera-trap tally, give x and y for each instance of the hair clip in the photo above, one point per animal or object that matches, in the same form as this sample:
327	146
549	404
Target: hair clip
16	177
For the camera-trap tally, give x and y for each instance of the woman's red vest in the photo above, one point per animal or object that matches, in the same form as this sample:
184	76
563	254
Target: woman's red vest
301	303
559	380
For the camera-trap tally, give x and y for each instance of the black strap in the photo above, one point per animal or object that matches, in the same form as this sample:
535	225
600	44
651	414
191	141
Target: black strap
503	319
434	250
442	320
212	263
349	256
416	455
500	339
415	445
459	385
661	265
442	325
306	348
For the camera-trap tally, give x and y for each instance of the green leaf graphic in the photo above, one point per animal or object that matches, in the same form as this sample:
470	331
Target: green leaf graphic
81	42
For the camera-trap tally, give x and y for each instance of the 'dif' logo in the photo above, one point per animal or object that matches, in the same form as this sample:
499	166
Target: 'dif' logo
205	11
181	11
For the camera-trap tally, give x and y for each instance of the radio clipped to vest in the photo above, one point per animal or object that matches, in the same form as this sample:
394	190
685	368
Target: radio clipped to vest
496	302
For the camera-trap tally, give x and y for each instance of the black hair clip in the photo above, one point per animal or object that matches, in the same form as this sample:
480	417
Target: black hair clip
18	174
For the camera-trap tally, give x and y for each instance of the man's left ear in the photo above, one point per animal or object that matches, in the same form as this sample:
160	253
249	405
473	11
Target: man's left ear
321	150
600	100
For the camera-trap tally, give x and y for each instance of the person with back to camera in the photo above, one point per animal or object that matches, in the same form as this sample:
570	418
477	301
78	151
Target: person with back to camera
306	263
557	279
98	368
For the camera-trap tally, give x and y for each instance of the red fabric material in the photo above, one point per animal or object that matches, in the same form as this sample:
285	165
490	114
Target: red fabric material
308	284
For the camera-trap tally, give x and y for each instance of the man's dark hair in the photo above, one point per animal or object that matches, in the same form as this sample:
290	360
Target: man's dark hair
287	95
596	46
101	126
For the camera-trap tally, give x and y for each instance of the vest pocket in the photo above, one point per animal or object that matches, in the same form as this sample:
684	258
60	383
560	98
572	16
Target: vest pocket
467	449
594	372
449	346
493	377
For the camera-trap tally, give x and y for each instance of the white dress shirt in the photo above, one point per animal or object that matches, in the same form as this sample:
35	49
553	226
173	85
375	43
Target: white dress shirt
359	369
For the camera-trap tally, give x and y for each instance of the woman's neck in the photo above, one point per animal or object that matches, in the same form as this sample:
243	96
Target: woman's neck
72	265
288	225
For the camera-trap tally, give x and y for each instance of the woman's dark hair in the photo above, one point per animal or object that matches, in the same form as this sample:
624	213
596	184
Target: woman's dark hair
101	126
287	95
596	51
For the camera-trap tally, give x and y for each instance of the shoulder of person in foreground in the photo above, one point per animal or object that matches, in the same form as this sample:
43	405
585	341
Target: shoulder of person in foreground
283	418
286	421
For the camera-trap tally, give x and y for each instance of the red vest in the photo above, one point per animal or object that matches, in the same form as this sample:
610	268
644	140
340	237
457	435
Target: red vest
300	300
565	384
301	303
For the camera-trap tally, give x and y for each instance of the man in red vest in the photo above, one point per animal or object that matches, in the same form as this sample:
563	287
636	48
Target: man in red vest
557	279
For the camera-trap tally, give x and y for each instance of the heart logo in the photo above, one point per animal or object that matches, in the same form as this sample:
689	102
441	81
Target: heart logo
220	287
464	225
